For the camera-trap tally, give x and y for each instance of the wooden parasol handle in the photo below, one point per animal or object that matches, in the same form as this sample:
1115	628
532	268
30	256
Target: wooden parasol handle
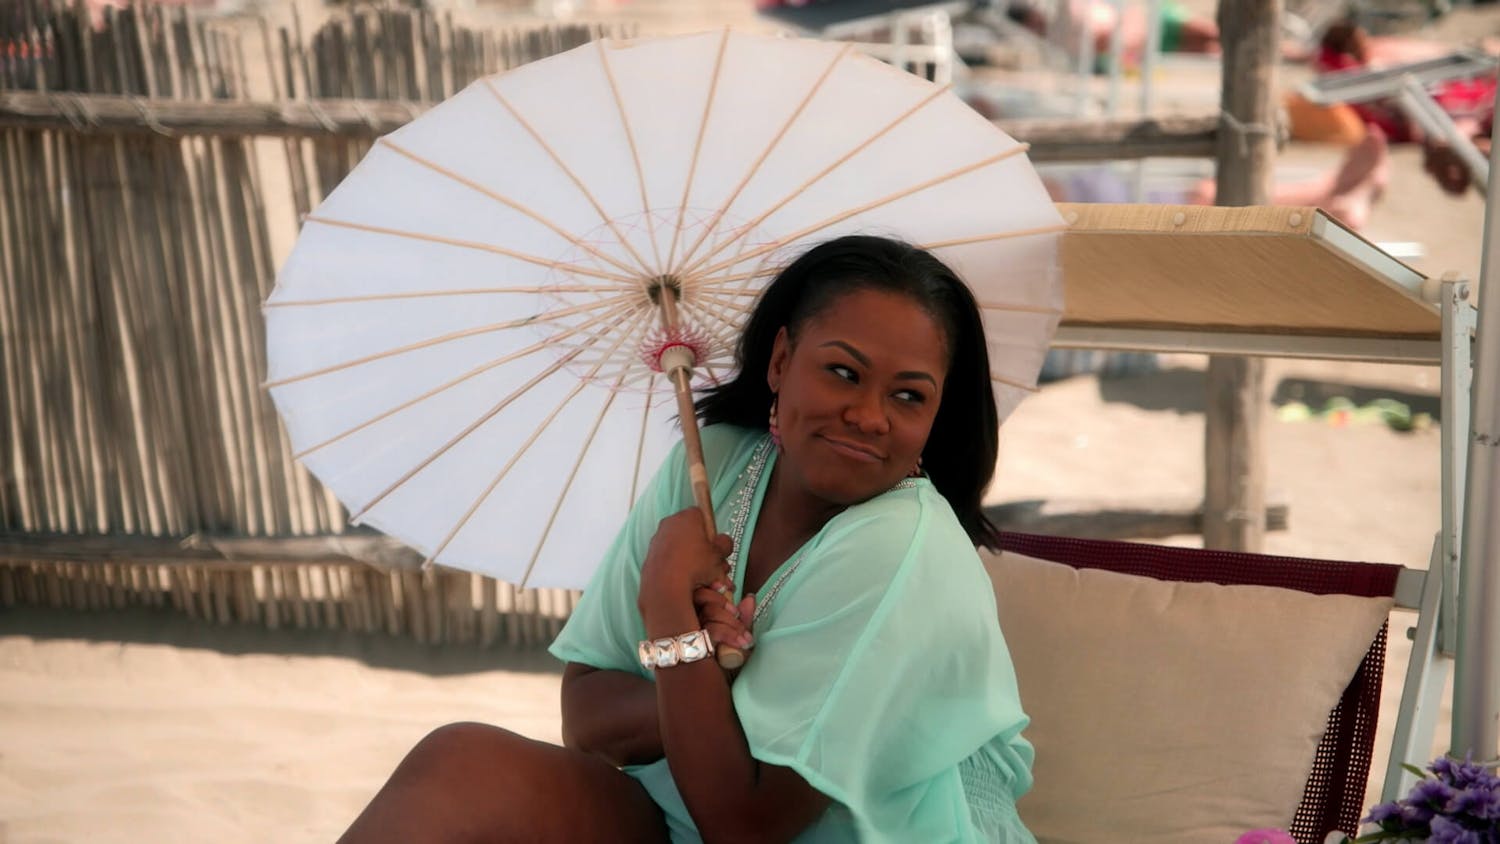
679	368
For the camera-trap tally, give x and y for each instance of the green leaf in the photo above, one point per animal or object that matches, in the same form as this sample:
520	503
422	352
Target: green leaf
1415	771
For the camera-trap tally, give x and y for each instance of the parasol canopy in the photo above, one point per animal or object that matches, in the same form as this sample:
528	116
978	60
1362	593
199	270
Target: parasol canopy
461	344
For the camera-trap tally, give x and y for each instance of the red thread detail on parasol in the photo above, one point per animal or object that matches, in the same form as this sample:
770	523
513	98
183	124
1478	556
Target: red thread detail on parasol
658	342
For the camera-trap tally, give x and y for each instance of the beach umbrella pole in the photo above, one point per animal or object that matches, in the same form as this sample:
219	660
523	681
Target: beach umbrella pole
678	358
1476	682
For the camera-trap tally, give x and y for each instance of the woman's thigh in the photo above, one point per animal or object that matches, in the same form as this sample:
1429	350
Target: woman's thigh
474	782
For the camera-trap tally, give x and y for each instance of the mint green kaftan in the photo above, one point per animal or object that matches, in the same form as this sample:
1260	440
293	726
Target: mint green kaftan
879	672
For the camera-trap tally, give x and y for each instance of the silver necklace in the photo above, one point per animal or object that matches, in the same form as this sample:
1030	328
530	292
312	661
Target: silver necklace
749	481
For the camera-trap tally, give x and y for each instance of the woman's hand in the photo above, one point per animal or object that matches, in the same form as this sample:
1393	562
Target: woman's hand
681	558
727	623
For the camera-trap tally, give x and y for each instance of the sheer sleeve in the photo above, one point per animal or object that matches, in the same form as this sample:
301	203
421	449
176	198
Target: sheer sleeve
883	668
605	627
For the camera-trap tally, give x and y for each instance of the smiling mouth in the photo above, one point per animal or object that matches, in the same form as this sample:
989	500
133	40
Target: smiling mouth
855	450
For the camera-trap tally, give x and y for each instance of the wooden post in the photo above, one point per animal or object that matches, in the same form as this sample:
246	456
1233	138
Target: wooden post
1234	469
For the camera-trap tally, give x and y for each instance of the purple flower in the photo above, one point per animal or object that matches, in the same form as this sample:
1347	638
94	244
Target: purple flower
1431	793
1383	812
1476	801
1415	814
1445	831
1458	804
1462	774
1444	768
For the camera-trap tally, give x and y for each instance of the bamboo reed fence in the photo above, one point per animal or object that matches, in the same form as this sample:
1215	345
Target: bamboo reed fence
140	462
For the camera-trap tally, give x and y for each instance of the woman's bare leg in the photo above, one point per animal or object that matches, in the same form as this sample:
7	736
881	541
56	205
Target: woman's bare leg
474	782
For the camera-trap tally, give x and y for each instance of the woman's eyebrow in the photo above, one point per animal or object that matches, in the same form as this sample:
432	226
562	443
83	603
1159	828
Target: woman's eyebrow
853	352
865	361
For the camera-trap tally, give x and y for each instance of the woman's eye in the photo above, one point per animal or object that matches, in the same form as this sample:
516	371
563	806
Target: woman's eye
843	372
911	396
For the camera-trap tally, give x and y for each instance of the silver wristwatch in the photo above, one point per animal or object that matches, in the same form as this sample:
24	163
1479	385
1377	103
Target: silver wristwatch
675	650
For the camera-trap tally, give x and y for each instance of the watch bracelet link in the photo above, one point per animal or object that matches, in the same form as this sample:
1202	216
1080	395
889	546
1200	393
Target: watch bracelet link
674	650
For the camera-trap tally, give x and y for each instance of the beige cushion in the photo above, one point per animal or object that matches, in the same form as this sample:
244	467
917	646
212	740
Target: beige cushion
1171	712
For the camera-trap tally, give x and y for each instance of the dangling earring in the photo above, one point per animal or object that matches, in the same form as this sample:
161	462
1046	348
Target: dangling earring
771	425
916	471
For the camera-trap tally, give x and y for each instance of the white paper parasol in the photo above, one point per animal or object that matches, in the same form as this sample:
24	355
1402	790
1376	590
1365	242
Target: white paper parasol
455	341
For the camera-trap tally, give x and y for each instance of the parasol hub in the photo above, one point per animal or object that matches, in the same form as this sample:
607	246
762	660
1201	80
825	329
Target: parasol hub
678	356
678	348
670	284
669	349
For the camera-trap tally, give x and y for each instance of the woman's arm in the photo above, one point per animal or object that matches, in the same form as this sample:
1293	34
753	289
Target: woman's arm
611	714
730	795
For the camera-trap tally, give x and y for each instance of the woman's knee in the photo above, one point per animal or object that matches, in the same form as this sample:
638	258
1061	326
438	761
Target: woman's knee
471	782
512	776
465	737
465	752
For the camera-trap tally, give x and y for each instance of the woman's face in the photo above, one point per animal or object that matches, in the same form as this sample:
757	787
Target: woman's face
857	393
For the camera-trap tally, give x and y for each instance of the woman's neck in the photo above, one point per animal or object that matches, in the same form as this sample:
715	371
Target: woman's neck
796	514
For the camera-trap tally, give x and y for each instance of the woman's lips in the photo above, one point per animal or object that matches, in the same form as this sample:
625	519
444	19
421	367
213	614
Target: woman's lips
854	451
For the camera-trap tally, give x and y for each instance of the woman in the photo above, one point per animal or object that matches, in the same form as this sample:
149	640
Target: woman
878	702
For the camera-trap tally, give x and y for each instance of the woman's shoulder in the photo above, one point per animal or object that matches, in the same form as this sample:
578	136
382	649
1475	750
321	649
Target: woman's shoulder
911	502
905	543
910	518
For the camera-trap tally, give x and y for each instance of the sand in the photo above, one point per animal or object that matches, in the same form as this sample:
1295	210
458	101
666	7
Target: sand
136	727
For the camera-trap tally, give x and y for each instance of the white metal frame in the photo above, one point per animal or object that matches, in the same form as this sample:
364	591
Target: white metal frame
1476	681
1435	637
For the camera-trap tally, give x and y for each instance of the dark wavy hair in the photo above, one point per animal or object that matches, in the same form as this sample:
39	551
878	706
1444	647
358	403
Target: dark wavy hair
960	452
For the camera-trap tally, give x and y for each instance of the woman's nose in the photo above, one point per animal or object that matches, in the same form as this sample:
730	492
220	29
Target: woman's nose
867	413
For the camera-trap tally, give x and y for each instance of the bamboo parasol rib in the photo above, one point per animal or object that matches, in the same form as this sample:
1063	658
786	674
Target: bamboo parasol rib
525	446
509	203
873	204
689	269
761	159
534	319
572	177
635	158
447	385
562	496
687	187
426	294
469	244
473	426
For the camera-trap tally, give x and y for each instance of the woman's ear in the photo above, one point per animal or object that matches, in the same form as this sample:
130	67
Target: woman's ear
781	352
